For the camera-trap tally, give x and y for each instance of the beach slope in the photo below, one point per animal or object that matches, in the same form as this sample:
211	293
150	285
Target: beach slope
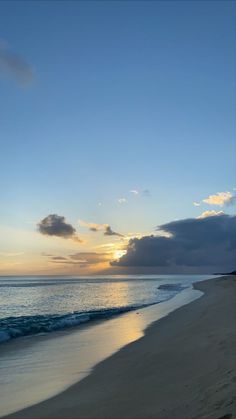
183	368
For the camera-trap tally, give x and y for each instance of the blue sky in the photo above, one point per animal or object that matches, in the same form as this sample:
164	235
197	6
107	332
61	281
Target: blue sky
126	95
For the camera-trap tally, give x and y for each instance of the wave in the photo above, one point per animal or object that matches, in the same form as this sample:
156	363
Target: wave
172	287
14	327
27	325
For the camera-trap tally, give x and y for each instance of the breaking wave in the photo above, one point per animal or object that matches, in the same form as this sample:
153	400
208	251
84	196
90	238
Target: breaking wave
14	327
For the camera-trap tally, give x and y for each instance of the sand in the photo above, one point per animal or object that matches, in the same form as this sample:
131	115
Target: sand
183	368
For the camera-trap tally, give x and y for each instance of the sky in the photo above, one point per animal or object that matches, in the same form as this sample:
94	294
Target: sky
117	131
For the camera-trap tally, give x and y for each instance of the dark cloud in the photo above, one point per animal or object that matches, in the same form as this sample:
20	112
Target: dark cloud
56	225
200	243
58	258
13	65
110	232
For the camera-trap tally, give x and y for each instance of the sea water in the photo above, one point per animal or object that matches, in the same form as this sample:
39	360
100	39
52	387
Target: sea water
32	305
50	334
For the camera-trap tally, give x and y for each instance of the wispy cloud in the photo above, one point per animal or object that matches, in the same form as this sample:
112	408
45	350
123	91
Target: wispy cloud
220	199
135	192
110	232
197	204
11	254
92	226
15	66
58	258
90	258
56	225
210	213
109	246
100	227
146	193
82	259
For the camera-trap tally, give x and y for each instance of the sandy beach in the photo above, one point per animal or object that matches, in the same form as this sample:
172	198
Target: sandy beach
183	368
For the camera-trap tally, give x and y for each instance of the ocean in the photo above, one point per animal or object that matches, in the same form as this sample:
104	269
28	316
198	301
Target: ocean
54	330
33	305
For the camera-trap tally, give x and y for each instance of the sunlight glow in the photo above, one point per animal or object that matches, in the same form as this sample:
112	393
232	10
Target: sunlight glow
118	253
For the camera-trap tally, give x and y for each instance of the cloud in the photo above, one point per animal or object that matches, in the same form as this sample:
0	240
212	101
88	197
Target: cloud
210	213
98	227
220	198
92	226
11	254
90	258
56	225
110	232
205	243
196	204
13	65
58	258
146	193
83	259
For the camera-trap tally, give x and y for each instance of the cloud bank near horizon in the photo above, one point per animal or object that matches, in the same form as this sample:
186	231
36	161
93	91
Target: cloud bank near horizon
207	241
81	259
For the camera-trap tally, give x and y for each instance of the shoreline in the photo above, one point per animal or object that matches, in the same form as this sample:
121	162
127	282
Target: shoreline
46	372
167	373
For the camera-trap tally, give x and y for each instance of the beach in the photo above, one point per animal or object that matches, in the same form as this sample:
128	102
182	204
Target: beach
183	368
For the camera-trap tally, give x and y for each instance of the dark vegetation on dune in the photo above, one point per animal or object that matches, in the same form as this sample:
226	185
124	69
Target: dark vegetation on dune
226	273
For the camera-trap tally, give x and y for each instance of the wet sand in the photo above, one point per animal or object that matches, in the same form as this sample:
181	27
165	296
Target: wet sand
183	368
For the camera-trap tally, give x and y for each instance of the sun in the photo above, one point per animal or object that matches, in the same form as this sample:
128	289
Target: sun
118	253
